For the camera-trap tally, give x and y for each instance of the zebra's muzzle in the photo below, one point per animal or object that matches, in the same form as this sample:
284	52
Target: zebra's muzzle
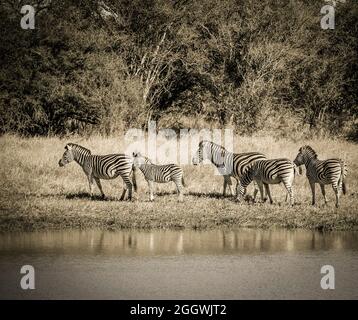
60	163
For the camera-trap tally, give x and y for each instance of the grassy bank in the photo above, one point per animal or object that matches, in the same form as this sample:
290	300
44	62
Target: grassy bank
36	194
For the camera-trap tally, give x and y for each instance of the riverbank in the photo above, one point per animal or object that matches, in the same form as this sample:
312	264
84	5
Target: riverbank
37	194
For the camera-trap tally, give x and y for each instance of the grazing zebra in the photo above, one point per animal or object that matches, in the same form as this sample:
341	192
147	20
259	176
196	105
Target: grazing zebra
98	167
330	171
266	172
229	164
159	173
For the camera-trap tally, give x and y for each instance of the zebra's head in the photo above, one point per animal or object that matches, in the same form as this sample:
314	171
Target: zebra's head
139	160
67	156
198	156
305	154
245	179
208	150
203	152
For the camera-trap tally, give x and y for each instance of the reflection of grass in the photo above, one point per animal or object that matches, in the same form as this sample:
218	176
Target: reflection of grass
36	193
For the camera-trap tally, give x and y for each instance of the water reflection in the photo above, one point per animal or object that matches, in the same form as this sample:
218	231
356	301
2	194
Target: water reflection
169	242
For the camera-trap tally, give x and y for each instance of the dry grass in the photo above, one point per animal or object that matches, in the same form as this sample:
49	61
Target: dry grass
36	193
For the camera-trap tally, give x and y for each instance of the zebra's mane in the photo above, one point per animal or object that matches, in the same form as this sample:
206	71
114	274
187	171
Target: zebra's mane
212	144
310	150
147	160
78	147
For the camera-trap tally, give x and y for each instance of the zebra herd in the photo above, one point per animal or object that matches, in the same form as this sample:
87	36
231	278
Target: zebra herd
243	167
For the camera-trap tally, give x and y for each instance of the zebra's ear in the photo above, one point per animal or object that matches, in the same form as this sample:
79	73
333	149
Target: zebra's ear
68	147
135	154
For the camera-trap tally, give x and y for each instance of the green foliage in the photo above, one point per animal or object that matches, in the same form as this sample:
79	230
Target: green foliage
108	65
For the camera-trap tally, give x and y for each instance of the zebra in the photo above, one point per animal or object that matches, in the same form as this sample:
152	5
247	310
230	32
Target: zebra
98	167
229	164
159	173
330	171
266	172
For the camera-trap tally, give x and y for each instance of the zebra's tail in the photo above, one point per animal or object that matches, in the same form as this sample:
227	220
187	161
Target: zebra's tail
134	179
183	182
343	173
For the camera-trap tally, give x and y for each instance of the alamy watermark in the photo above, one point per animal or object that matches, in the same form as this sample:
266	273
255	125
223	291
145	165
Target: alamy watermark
28	19
329	12
28	280
169	146
328	280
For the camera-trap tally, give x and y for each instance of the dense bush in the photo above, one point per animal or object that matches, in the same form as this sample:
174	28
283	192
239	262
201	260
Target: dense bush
108	65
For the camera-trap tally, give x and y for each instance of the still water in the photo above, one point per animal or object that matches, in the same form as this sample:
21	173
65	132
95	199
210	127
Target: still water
188	264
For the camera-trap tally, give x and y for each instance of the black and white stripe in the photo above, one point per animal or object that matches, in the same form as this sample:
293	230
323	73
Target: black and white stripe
266	172
228	164
160	174
98	167
330	171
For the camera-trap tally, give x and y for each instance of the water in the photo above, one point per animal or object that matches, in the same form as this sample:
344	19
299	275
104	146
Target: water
217	264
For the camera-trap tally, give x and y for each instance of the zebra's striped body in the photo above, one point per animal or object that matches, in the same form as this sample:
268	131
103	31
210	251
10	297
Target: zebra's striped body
98	167
228	164
266	172
330	171
160	174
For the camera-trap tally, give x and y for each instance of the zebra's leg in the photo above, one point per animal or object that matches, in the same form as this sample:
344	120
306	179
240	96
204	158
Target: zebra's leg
312	184
261	188
98	182
90	183
230	186
127	185
289	189
255	194
336	191
323	193
151	193
179	189
256	190
267	189
227	182
124	192
225	185
237	188
287	196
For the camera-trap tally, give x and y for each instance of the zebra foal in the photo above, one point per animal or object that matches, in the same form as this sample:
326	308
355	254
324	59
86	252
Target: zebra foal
330	171
228	164
160	174
98	167
266	172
